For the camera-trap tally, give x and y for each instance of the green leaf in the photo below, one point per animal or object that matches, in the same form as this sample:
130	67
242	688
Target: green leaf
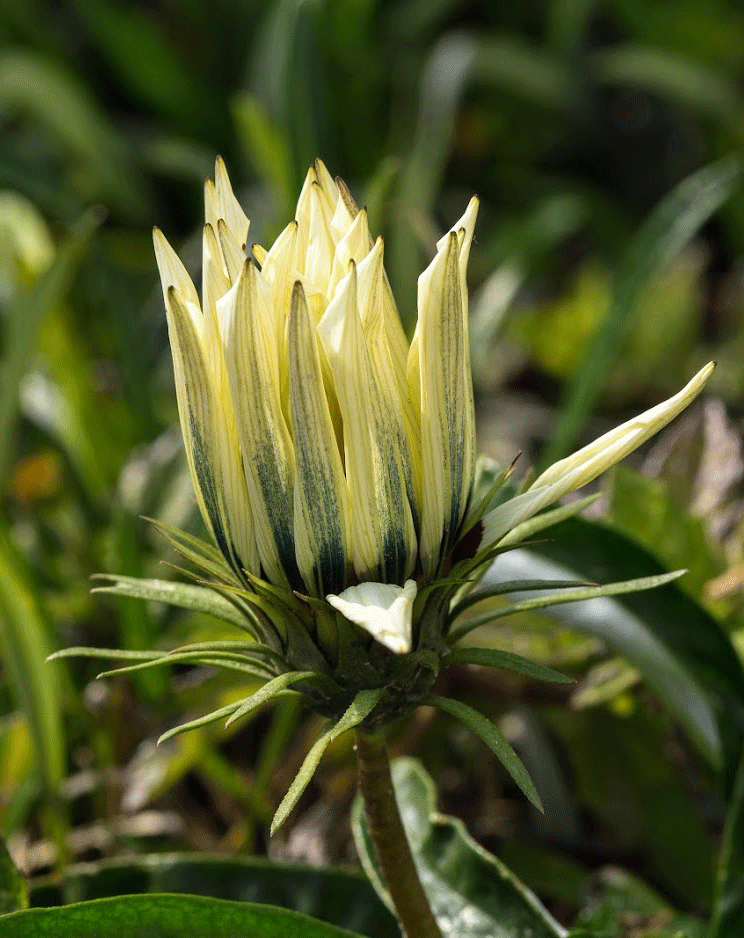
361	707
506	661
727	920
472	893
677	646
13	891
570	596
674	221
266	148
340	897
25	314
183	595
511	586
546	519
269	690
485	730
164	916
24	647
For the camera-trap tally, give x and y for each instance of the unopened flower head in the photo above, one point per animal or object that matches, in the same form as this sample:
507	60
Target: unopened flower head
333	461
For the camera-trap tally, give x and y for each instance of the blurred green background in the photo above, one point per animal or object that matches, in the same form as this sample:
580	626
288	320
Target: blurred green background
603	139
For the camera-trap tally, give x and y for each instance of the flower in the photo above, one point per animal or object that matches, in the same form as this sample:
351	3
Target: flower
333	462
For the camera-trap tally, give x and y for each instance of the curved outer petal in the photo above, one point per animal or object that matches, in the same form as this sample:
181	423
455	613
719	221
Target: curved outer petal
383	534
212	449
382	609
586	464
446	400
268	454
321	503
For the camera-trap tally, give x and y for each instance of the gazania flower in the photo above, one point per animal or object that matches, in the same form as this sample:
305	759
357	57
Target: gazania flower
334	465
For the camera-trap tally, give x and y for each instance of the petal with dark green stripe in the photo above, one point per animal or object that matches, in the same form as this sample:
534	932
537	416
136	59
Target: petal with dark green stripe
321	503
268	454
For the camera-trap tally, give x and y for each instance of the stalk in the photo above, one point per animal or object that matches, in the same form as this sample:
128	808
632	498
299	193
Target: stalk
391	844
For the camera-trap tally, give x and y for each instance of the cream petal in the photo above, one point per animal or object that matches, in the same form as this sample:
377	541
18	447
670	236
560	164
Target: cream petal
268	454
573	472
321	502
382	609
383	533
447	415
228	207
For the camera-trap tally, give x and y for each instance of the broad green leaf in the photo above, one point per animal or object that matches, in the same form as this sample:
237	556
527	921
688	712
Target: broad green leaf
266	148
505	660
486	731
340	897
674	221
678	647
727	920
361	707
183	595
13	891
472	893
570	596
164	916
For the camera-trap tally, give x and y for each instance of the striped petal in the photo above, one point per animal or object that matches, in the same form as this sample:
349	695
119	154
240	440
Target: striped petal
321	503
445	394
573	472
212	449
383	533
267	446
382	609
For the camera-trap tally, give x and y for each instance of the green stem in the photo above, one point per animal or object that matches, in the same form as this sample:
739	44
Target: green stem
391	844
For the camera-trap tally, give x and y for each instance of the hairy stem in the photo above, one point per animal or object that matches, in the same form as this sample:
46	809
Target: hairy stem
391	845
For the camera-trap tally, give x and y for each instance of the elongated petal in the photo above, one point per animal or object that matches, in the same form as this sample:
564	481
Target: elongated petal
383	534
212	450
320	247
267	447
389	374
447	417
586	464
321	503
172	272
228	207
382	609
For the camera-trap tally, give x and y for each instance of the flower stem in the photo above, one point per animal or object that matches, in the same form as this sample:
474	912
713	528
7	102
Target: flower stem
391	844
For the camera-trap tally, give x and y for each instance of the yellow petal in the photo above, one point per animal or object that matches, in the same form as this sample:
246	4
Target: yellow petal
172	272
320	246
228	207
232	251
212	448
355	244
267	447
389	374
383	533
573	472
321	503
382	609
447	417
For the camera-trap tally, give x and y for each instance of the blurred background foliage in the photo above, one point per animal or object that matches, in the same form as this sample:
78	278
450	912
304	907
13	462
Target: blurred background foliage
603	139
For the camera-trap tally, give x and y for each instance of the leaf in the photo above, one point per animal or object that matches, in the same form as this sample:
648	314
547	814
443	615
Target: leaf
674	221
511	586
570	596
507	661
727	920
183	595
266	148
340	897
361	707
163	916
13	891
268	691
26	312
24	646
472	893
676	645
486	731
